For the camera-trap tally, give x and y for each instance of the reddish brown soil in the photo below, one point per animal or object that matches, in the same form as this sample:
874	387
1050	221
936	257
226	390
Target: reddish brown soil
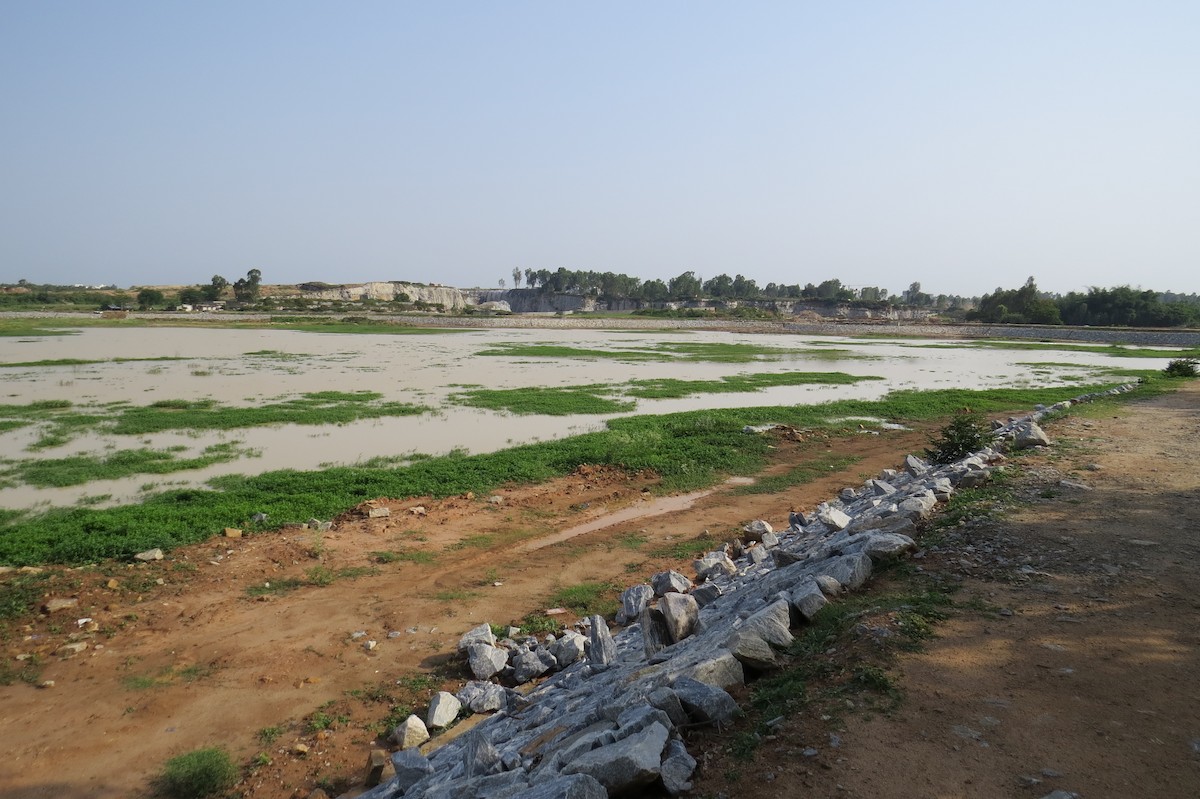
1081	676
197	662
1091	677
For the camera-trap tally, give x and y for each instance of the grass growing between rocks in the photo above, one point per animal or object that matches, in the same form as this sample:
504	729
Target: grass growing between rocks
687	450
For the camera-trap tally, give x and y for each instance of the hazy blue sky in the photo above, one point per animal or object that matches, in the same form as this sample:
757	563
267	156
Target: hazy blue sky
965	145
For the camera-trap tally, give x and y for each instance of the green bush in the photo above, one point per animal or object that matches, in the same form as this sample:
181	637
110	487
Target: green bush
197	774
966	433
1182	367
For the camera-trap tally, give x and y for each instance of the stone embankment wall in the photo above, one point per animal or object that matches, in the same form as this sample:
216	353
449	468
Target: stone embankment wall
608	720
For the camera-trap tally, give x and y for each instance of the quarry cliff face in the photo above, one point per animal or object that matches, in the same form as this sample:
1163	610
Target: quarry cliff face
534	301
386	291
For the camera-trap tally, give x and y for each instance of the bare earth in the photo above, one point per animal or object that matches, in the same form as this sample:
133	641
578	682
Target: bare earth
1093	676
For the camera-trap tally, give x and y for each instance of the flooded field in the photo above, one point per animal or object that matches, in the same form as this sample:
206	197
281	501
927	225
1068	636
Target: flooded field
417	386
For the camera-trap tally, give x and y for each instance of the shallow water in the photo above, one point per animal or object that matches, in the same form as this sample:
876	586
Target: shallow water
426	369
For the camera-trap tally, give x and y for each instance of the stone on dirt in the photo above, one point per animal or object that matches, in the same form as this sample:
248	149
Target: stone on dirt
149	555
410	732
443	710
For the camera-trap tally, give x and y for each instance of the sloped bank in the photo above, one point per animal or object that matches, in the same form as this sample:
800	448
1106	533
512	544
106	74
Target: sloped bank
608	721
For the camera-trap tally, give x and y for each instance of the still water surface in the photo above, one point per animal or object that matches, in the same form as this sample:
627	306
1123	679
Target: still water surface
245	367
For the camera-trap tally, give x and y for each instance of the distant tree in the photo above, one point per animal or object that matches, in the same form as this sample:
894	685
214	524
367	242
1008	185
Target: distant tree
501	283
655	291
147	298
530	278
516	273
685	286
719	286
191	296
245	289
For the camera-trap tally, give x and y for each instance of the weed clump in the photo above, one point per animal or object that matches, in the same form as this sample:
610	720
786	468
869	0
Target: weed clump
966	433
198	774
1182	367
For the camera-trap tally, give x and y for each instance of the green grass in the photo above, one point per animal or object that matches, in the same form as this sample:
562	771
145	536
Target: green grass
62	421
587	599
19	594
85	362
80	469
548	401
404	556
688	450
799	475
714	352
1114	350
670	388
197	774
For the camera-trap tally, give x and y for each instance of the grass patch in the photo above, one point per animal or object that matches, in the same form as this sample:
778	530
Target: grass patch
273	587
691	548
670	388
80	469
402	556
588	599
688	450
197	774
1113	350
20	594
713	352
799	475
63	421
553	401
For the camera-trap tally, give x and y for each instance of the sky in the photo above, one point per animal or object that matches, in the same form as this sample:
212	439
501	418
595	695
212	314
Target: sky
962	145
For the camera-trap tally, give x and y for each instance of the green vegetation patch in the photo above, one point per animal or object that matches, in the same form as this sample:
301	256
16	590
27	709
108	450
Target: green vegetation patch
198	774
715	352
687	450
86	362
80	469
669	388
62	421
799	475
588	599
551	401
1112	350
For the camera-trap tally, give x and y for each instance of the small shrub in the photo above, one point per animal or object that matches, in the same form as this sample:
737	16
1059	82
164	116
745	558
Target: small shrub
197	774
966	433
1182	367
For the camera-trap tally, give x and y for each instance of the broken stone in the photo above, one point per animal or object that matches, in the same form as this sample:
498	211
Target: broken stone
378	513
755	530
233	532
149	555
625	764
443	710
59	603
668	582
410	732
681	614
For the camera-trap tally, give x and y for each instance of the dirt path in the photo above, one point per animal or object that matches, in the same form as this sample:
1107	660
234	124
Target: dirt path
1078	670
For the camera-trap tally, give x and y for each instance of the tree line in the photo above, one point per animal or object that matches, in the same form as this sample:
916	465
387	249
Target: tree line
1114	307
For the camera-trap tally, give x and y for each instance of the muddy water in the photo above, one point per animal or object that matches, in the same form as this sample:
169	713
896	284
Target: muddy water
245	367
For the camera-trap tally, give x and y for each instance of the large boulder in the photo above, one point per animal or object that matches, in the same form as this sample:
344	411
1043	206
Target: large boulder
410	732
713	564
706	704
486	661
625	764
601	649
670	582
477	635
681	614
633	601
443	710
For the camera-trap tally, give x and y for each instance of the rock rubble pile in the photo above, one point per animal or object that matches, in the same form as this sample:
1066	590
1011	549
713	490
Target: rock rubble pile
607	719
